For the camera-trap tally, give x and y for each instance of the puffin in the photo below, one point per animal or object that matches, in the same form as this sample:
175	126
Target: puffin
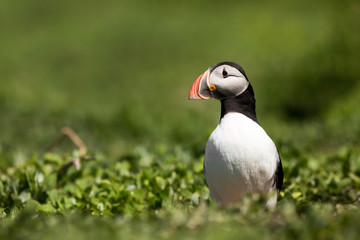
240	158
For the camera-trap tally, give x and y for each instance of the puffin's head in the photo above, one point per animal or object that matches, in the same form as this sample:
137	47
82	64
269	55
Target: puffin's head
221	81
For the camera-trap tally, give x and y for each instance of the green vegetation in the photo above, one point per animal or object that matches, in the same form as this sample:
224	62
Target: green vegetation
119	73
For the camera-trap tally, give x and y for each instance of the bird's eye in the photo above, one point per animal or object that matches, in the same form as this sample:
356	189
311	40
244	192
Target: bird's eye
225	73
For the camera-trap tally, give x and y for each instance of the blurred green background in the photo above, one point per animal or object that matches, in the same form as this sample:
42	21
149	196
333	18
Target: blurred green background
119	72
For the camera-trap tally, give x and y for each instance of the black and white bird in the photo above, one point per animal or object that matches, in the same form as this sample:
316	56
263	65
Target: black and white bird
240	158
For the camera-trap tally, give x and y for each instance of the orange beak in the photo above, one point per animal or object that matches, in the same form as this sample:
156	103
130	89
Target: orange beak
200	88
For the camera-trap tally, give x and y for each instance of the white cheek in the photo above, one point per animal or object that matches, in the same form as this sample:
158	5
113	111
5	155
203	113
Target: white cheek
231	86
239	85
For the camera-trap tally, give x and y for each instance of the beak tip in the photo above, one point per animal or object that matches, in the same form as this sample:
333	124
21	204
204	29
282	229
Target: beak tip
193	96
195	91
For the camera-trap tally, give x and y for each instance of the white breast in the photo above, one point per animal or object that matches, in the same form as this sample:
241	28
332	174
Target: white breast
239	158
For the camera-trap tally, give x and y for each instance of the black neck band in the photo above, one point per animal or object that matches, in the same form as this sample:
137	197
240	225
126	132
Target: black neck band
243	103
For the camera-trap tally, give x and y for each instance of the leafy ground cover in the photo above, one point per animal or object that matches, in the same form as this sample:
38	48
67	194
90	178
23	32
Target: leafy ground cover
161	193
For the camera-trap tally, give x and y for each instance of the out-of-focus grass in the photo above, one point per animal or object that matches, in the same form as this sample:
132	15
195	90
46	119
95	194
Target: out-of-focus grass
120	71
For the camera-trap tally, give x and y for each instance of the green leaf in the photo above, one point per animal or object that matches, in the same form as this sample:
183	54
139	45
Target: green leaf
161	182
296	195
46	209
195	198
53	158
24	196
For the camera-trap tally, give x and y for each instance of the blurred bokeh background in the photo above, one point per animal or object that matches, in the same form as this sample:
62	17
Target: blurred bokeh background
119	72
